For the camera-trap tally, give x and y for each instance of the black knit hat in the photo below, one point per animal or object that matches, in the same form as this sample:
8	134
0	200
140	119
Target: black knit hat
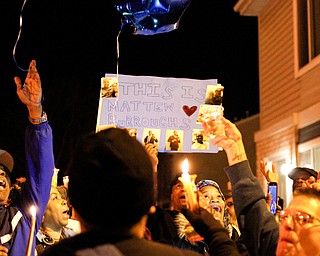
111	179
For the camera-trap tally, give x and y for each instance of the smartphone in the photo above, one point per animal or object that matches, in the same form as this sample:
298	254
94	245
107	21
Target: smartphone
273	190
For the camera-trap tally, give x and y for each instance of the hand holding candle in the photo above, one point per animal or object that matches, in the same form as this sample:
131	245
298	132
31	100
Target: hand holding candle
188	182
33	212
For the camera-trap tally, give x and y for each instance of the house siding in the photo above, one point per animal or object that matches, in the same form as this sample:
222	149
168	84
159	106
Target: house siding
289	98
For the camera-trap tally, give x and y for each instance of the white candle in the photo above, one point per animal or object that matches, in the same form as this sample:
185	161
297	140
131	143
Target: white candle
33	212
54	181
66	181
188	182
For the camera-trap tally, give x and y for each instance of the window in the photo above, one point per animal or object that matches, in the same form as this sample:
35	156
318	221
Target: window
310	158
307	33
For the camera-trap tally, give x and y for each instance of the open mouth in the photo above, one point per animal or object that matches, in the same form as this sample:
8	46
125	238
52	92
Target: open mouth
3	183
217	208
66	214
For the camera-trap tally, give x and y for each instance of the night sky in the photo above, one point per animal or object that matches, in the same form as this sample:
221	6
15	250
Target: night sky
74	44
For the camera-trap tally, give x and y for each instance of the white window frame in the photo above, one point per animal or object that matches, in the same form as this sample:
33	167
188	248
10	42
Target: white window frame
309	145
313	62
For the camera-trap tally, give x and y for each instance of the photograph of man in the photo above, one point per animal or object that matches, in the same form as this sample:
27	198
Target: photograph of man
150	138
201	141
109	87
174	141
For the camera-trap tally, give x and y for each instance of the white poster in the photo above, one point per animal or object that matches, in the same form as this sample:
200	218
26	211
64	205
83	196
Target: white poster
156	110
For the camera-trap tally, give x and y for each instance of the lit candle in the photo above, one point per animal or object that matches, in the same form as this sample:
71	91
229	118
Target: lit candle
32	228
188	182
54	181
66	181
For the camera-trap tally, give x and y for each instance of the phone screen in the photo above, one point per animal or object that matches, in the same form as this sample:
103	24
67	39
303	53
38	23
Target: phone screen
273	190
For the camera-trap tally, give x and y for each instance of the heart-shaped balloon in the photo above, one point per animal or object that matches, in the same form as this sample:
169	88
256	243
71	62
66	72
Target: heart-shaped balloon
150	17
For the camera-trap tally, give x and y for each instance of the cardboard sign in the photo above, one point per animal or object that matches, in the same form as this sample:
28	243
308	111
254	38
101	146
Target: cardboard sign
156	110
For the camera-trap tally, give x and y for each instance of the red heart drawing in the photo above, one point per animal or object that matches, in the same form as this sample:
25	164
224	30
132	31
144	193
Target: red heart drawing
189	111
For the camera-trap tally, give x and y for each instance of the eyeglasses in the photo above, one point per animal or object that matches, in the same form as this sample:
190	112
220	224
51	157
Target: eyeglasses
299	217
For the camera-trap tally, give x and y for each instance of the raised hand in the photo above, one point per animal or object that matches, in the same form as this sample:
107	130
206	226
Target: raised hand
230	141
30	93
270	175
153	154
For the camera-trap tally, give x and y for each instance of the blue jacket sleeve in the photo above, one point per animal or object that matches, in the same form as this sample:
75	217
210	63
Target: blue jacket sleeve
40	164
258	226
40	167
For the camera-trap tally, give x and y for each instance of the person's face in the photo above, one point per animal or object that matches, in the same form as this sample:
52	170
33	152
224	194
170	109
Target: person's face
178	197
56	215
300	180
230	207
200	139
132	133
106	83
4	187
214	200
299	235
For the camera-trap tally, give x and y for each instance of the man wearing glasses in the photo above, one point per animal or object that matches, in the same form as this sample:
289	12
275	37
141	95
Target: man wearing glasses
299	230
300	224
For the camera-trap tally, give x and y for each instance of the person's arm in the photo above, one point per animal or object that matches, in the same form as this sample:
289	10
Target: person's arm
153	155
257	225
38	146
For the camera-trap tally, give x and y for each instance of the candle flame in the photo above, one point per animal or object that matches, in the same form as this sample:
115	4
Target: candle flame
185	169
33	211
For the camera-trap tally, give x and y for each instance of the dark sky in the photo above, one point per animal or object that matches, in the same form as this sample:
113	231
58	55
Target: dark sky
74	44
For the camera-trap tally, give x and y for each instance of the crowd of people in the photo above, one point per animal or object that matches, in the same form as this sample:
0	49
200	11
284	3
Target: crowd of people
115	167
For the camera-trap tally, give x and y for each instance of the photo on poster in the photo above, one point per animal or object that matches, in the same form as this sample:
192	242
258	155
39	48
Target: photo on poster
151	136
214	94
209	111
174	140
109	87
199	140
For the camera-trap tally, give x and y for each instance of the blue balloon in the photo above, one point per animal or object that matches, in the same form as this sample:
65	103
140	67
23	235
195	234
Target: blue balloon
149	17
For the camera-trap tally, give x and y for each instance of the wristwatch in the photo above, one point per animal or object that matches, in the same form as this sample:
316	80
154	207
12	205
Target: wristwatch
39	120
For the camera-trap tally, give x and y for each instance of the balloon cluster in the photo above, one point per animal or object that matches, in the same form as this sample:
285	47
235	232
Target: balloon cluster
149	17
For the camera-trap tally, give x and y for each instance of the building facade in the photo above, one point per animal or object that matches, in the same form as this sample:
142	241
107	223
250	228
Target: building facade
289	71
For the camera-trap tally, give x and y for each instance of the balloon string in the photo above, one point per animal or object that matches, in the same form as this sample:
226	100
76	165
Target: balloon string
18	38
118	47
118	58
